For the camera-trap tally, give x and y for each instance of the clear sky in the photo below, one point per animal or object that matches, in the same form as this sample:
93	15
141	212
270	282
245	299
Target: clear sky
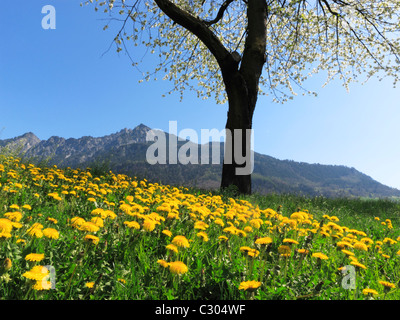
59	83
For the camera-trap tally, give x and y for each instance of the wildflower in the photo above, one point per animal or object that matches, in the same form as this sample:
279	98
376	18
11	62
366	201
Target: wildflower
37	273
367	240
98	221
349	253
89	226
36	257
92	239
172	247
291	241
7	264
181	241
201	225
132	225
178	267
5	225
265	240
360	246
167	233
14	216
319	256
223	238
77	221
343	244
42	285
51	233
368	291
387	285
52	220
249	285
89	285
358	265
149	225
163	263
219	222
303	251
389	241
256	223
283	249
203	236
247	229
5	235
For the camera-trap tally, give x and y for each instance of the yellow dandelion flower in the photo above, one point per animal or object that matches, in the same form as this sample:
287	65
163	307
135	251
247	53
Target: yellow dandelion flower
178	267
167	233
14	216
37	273
387	285
77	221
303	251
264	240
163	263
132	225
319	256
42	285
291	241
201	225
283	249
357	264
51	233
7	264
98	221
5	235
172	247
149	225
249	285
360	246
181	241
36	257
368	291
52	220
89	226
89	285
5	225
92	239
223	238
347	252
203	236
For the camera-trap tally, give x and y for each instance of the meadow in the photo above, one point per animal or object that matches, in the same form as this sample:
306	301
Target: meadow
79	234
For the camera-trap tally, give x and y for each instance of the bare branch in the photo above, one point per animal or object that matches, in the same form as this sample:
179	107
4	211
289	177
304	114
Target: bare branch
220	13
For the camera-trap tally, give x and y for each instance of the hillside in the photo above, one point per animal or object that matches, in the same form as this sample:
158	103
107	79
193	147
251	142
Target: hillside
125	152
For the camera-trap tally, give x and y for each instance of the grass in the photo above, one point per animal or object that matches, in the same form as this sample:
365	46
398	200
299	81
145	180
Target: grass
107	236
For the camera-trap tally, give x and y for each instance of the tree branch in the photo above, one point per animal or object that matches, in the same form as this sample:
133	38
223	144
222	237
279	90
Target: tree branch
220	13
199	29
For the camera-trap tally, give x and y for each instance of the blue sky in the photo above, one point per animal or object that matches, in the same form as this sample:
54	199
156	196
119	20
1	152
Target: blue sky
58	82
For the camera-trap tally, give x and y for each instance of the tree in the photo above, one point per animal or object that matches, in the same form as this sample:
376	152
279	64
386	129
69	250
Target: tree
236	49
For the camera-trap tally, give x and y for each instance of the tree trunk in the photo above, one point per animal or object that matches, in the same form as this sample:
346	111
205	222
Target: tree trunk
241	84
238	159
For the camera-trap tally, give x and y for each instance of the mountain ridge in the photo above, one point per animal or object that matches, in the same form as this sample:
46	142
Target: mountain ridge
125	152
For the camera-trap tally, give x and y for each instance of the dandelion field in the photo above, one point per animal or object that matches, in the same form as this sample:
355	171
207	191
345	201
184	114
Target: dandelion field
70	234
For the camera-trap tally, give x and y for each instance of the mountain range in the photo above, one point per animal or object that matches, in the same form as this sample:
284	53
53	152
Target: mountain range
124	152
